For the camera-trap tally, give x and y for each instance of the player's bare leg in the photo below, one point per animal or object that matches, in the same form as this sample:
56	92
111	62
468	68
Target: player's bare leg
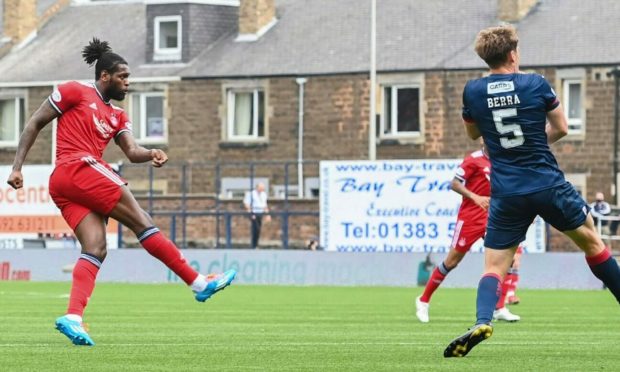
422	302
128	212
91	234
496	264
598	257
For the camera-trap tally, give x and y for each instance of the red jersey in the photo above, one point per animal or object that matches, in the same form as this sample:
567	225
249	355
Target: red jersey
87	123
475	173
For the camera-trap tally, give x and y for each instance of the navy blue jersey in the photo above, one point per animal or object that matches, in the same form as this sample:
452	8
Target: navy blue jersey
510	111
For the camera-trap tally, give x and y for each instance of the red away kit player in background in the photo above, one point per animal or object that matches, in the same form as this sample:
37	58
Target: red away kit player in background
87	191
472	181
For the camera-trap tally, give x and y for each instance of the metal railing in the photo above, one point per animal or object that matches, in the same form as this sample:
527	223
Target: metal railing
186	182
606	231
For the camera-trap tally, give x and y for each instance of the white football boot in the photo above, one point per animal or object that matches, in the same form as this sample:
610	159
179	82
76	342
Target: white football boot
421	310
506	315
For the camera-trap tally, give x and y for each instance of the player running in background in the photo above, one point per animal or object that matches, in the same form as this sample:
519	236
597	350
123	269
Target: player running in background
472	183
87	191
510	111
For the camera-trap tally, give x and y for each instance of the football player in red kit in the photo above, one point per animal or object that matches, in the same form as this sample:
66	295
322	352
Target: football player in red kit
472	181
87	191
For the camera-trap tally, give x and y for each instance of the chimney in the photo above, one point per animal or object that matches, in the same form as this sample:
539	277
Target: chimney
20	19
255	16
514	10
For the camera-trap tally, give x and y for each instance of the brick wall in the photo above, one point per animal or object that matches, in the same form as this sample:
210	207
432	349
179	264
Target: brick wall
336	127
255	14
20	18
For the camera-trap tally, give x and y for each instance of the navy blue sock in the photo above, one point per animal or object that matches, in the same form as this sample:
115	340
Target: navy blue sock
489	290
605	267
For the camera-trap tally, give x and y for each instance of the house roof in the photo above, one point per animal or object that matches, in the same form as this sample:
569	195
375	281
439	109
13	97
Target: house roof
328	37
55	54
43	5
561	33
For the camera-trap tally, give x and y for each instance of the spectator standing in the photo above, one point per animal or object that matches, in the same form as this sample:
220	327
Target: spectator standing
600	208
255	203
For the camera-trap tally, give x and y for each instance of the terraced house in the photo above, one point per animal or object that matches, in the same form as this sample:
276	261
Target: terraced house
262	89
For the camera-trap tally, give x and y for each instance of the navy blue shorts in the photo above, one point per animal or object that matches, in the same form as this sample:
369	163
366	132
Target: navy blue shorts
510	217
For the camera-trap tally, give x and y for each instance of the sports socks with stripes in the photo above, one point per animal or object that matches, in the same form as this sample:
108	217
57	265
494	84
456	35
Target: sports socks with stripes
489	291
164	250
84	276
605	267
437	277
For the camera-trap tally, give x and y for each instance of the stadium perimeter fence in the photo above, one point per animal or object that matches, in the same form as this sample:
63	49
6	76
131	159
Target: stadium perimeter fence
200	205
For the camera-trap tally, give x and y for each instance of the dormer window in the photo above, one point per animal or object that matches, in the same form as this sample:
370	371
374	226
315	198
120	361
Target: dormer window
167	38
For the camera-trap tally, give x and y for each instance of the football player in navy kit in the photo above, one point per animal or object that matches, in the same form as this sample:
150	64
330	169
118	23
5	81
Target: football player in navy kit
519	115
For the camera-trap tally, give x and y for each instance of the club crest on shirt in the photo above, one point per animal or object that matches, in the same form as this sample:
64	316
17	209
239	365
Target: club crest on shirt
462	242
103	127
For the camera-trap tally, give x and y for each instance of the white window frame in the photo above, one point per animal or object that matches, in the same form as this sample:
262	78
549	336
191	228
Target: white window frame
161	54
142	124
394	133
17	123
230	122
566	100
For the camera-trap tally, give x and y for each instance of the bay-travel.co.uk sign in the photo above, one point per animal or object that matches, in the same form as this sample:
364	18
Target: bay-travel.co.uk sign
395	206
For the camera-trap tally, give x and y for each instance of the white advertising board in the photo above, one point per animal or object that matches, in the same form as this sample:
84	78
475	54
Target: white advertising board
395	206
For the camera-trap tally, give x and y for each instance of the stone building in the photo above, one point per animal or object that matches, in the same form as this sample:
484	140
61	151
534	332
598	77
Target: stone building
219	82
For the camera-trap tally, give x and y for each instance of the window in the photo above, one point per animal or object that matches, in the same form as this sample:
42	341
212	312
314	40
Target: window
246	114
167	38
148	117
12	115
573	105
401	111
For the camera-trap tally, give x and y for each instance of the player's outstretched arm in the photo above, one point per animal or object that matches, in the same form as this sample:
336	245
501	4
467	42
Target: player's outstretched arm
557	127
459	188
138	154
44	114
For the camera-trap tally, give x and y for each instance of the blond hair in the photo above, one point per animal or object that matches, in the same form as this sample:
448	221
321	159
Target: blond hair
494	43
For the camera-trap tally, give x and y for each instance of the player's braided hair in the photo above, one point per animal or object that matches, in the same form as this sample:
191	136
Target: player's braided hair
100	51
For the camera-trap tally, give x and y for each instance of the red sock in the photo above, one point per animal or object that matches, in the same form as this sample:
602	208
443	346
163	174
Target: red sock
501	301
84	275
164	250
514	280
438	275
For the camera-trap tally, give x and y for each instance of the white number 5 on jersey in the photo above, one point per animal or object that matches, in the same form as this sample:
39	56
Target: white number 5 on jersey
508	130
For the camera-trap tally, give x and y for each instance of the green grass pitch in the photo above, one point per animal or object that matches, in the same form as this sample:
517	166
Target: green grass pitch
262	328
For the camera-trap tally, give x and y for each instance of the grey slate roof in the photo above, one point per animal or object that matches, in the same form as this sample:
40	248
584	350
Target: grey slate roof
330	37
563	32
327	36
42	5
55	54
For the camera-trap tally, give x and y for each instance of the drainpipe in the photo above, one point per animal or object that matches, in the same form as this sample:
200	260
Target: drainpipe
616	75
372	126
300	139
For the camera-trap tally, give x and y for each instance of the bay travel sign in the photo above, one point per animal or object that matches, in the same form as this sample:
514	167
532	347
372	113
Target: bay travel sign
395	206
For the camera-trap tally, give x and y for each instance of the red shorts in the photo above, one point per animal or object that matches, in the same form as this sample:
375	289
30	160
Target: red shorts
467	233
84	185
